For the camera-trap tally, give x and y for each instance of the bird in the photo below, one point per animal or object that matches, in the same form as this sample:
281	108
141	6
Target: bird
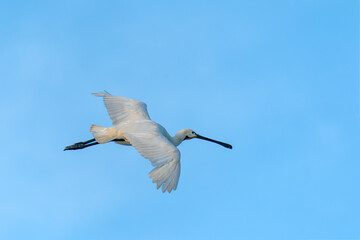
133	127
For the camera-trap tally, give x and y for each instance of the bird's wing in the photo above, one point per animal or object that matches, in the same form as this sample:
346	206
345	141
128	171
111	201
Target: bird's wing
148	140
123	109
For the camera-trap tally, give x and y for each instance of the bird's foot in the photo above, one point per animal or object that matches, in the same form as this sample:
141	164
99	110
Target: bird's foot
76	146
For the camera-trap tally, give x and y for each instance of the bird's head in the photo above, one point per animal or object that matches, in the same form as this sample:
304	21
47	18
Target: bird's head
190	134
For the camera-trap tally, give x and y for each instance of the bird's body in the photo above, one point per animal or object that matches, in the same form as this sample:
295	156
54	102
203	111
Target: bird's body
134	127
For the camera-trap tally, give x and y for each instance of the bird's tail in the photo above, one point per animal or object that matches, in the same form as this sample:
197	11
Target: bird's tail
103	134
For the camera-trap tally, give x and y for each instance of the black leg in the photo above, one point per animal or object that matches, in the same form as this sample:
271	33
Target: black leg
91	142
81	145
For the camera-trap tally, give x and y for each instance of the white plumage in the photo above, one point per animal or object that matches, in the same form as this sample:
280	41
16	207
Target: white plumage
133	126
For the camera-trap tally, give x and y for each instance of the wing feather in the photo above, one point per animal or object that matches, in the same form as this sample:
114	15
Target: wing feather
122	109
148	139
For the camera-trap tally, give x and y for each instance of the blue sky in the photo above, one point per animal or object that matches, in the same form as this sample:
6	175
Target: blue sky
279	80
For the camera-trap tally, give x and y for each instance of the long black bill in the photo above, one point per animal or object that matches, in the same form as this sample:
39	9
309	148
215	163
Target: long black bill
212	140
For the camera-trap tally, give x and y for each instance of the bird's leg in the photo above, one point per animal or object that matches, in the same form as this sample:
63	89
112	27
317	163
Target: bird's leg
81	145
91	142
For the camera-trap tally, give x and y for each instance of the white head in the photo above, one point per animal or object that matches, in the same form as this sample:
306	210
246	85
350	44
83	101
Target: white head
187	134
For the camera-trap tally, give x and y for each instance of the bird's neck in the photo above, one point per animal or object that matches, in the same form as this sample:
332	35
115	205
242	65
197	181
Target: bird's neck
178	138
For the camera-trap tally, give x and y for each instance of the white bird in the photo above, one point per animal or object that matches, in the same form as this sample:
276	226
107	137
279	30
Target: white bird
134	127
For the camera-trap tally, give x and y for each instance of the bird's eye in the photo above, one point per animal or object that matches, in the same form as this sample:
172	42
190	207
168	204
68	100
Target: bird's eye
193	132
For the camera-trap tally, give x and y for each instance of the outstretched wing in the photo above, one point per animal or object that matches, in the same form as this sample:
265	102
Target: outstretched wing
149	141
123	109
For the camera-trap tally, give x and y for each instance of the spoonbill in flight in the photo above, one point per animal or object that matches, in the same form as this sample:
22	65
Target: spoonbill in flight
134	127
